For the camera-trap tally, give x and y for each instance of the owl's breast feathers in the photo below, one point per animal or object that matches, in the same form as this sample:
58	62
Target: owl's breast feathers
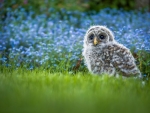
122	60
110	58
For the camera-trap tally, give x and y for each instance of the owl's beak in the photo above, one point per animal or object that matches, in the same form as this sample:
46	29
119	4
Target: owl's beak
95	41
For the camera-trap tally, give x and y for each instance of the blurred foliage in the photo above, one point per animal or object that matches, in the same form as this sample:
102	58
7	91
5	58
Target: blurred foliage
43	6
99	4
40	6
82	5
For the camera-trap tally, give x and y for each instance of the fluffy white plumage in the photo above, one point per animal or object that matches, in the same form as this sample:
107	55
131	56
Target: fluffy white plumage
102	54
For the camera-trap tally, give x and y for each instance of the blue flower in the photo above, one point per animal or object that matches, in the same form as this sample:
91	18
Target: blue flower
46	41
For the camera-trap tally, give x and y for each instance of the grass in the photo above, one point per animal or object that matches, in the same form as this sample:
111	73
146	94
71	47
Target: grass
23	91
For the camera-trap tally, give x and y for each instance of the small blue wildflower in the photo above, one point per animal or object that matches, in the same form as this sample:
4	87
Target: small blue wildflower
49	40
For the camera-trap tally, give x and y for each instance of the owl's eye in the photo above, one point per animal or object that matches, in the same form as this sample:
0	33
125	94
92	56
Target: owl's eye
91	37
101	36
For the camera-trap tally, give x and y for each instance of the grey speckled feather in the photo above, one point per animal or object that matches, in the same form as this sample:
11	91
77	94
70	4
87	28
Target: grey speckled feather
102	54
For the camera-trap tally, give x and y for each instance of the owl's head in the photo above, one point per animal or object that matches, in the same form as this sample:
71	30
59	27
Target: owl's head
98	35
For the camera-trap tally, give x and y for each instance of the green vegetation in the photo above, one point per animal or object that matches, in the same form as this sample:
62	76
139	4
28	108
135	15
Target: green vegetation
40	6
23	91
82	5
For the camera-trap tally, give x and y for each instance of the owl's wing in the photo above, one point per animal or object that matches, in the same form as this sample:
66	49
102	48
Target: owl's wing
123	61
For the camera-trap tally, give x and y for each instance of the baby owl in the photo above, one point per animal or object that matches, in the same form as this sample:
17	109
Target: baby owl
102	54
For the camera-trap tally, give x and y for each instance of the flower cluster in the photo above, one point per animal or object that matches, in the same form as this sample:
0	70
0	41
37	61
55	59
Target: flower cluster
32	41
